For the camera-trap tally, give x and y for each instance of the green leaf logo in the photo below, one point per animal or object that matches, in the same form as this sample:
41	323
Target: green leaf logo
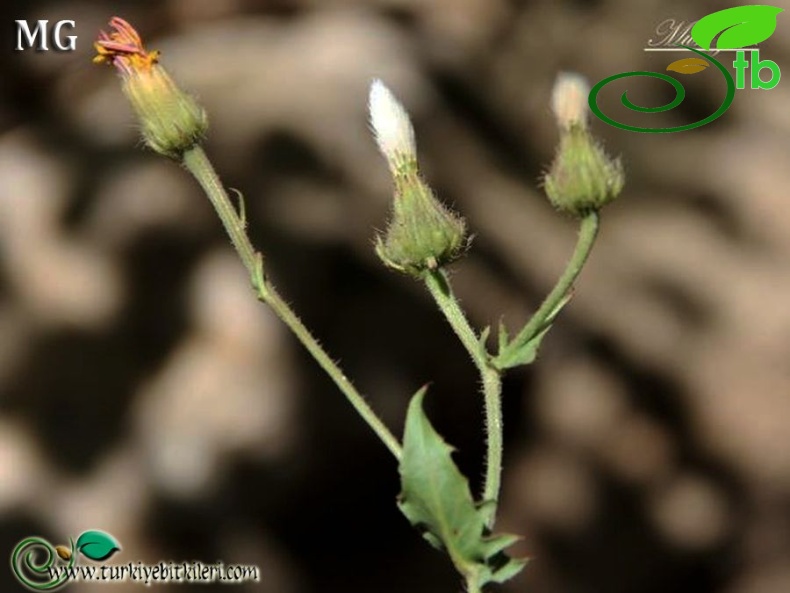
736	27
97	545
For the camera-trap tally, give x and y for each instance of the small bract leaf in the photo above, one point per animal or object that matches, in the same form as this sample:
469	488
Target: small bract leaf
525	351
483	339
521	354
497	543
504	339
509	570
688	65
97	545
736	27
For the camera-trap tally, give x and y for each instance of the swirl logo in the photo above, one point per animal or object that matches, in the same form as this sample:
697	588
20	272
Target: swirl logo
40	566
731	29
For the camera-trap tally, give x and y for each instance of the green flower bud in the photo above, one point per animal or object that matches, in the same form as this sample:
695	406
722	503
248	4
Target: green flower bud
582	177
423	234
172	121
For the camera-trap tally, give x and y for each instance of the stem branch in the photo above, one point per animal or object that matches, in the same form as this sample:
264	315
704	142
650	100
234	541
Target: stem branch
196	161
588	231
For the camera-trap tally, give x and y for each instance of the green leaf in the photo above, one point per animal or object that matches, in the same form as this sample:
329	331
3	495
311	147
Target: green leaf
521	354
738	27
436	499
483	339
504	339
97	545
242	207
525	351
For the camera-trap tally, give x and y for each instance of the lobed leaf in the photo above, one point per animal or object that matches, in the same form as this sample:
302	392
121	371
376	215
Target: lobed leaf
436	499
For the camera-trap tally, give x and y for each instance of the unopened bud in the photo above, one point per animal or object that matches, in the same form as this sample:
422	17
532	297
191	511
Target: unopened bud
582	177
423	234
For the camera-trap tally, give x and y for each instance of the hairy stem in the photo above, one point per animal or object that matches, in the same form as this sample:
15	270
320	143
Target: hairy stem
196	161
588	231
472	585
439	287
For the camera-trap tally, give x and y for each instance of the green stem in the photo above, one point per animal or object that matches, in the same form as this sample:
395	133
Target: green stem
472	585
196	161
588	231
492	396
439	287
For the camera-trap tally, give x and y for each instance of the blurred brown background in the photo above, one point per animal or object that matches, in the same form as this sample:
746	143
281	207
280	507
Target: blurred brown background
143	391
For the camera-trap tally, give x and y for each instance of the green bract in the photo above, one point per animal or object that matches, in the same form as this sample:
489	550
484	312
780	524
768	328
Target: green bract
582	178
172	122
423	234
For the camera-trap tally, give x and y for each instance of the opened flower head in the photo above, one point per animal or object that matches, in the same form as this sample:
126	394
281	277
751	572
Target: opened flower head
123	48
172	122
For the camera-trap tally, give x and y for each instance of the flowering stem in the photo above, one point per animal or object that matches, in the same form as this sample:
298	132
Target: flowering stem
439	286
196	161
588	231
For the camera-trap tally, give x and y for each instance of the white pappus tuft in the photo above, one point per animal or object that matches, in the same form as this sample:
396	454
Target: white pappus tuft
569	99
391	125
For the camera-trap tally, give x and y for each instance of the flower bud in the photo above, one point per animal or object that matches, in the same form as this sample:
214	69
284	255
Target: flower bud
423	234
582	178
172	121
